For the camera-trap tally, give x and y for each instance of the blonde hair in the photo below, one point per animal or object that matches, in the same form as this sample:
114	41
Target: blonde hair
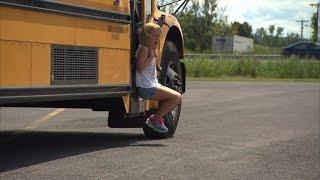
145	34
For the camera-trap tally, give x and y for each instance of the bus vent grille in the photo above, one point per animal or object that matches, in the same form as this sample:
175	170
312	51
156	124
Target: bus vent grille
74	65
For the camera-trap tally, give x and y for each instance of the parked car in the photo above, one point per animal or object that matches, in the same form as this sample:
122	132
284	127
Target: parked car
302	50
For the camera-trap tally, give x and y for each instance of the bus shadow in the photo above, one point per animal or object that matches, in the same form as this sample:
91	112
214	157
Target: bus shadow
25	148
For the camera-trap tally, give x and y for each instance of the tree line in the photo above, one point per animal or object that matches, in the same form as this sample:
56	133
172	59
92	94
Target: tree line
314	28
201	20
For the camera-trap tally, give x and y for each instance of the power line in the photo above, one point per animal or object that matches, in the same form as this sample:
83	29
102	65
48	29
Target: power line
302	21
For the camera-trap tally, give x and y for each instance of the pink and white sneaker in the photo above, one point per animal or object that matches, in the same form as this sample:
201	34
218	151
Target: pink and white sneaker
157	123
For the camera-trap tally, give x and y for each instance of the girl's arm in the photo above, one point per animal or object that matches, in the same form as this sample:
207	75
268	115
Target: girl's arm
143	58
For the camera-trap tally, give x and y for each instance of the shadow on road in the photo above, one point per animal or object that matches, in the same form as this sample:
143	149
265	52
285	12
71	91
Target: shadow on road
21	149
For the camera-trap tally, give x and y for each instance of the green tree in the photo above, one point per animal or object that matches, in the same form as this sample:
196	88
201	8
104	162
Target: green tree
278	35
220	24
271	29
279	31
260	35
245	30
169	8
197	23
314	27
292	38
235	28
187	20
208	15
270	39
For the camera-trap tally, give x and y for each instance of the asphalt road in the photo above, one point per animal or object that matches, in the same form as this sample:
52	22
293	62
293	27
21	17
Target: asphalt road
227	130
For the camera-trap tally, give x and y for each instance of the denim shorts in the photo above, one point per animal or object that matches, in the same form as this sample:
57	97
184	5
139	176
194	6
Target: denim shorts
147	93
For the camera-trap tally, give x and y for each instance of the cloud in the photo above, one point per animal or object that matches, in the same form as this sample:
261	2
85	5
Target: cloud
260	13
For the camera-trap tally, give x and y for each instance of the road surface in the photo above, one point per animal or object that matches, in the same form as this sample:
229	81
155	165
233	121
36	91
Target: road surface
227	130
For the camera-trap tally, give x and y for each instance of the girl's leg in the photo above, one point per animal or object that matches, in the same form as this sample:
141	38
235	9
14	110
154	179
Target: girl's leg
168	98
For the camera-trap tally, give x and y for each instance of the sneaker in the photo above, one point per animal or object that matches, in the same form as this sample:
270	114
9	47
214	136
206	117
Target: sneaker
157	124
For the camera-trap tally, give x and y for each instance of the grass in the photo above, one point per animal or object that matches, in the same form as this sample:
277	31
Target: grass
261	49
292	68
257	49
248	79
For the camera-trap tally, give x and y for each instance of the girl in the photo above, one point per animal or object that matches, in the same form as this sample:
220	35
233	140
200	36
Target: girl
146	77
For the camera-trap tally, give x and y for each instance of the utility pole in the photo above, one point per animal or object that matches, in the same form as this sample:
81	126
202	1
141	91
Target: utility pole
318	17
302	21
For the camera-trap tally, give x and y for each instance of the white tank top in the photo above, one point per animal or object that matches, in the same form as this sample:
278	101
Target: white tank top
148	77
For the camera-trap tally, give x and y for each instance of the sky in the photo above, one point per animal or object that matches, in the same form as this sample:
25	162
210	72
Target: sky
262	13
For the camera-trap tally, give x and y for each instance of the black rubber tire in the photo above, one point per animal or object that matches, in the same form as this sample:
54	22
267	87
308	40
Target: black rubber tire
170	57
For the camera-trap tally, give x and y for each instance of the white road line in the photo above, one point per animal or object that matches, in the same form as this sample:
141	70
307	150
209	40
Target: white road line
44	119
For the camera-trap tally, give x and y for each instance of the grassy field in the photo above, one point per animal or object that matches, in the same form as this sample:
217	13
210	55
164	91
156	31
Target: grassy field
257	49
249	79
292	68
260	49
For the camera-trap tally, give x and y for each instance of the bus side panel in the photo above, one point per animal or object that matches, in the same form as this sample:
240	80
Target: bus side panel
114	66
114	52
41	64
0	42
15	64
32	26
99	4
29	66
102	34
26	37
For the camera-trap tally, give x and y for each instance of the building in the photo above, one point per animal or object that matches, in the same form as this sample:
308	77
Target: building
232	43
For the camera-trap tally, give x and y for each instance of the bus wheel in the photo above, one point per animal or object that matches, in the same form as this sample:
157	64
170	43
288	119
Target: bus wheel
171	77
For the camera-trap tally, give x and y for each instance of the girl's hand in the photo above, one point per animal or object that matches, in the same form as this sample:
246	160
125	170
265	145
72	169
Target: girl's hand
152	53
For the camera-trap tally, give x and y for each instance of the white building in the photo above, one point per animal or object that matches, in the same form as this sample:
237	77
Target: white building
232	43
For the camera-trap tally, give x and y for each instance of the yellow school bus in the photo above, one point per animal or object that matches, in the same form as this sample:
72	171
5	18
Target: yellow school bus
80	54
